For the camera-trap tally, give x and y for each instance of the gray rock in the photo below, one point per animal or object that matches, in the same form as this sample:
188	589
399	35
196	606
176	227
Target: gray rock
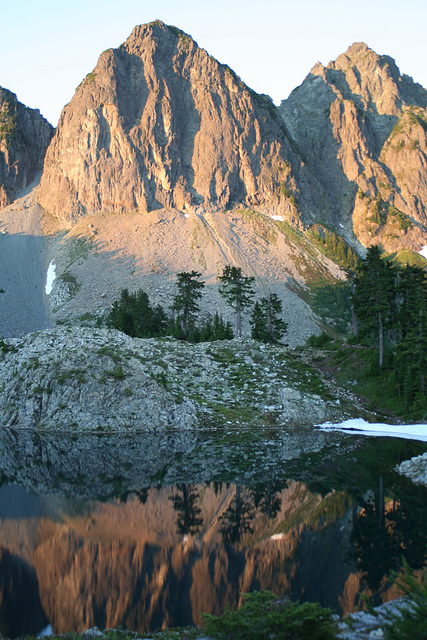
302	408
364	625
360	125
84	379
415	469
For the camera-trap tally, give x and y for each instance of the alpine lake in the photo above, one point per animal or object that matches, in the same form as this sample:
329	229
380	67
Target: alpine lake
150	530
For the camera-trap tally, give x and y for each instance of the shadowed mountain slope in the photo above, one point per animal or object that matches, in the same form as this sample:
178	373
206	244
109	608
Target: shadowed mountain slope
24	138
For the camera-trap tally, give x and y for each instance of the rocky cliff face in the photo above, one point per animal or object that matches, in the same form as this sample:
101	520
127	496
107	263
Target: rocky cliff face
24	138
160	123
362	128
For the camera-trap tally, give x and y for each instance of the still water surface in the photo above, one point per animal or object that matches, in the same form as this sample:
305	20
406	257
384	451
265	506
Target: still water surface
149	531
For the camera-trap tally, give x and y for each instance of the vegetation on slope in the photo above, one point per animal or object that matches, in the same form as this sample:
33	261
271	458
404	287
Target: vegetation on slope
382	312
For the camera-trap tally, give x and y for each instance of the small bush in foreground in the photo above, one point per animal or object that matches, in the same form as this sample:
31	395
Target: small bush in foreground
263	616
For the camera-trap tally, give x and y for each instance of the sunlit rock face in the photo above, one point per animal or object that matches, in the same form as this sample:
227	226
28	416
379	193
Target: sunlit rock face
361	126
160	123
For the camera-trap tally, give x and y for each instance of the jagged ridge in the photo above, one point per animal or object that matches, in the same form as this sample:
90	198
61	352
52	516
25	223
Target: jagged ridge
160	123
362	127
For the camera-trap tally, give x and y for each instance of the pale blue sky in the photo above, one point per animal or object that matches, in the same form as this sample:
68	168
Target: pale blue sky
48	46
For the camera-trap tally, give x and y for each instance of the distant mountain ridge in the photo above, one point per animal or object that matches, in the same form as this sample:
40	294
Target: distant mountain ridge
160	124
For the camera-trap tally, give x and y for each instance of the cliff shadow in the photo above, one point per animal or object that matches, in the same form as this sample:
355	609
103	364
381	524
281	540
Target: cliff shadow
21	611
22	284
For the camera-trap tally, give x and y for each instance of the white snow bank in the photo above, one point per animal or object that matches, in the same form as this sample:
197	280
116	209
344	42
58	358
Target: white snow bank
358	426
280	218
50	277
423	252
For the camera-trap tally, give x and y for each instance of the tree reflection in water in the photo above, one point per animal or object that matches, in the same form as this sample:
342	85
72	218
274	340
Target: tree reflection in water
388	528
236	520
185	504
108	548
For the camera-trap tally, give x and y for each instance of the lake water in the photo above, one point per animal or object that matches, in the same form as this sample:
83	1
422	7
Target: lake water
151	530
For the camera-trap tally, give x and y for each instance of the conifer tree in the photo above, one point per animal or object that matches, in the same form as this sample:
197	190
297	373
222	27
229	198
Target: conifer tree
411	351
221	330
187	301
133	315
374	296
237	290
266	319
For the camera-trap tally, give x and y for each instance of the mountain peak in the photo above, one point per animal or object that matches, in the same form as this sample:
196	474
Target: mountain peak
362	127
156	29
357	49
161	124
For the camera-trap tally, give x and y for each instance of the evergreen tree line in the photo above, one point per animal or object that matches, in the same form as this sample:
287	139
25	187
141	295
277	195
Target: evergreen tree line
134	315
390	311
335	247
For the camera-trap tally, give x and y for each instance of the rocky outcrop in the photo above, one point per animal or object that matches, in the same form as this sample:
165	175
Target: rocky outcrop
362	128
85	380
24	138
302	408
160	123
415	469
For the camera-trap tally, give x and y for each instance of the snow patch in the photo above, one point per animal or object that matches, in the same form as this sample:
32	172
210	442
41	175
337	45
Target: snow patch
50	277
358	426
423	251
280	218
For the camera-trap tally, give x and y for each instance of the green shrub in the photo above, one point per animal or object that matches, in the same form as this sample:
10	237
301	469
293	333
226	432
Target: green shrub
263	616
411	621
319	341
117	372
6	347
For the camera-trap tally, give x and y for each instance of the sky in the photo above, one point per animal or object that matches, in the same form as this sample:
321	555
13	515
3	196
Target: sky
48	46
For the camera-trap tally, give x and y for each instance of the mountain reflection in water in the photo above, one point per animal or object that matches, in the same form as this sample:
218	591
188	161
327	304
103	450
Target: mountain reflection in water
160	556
